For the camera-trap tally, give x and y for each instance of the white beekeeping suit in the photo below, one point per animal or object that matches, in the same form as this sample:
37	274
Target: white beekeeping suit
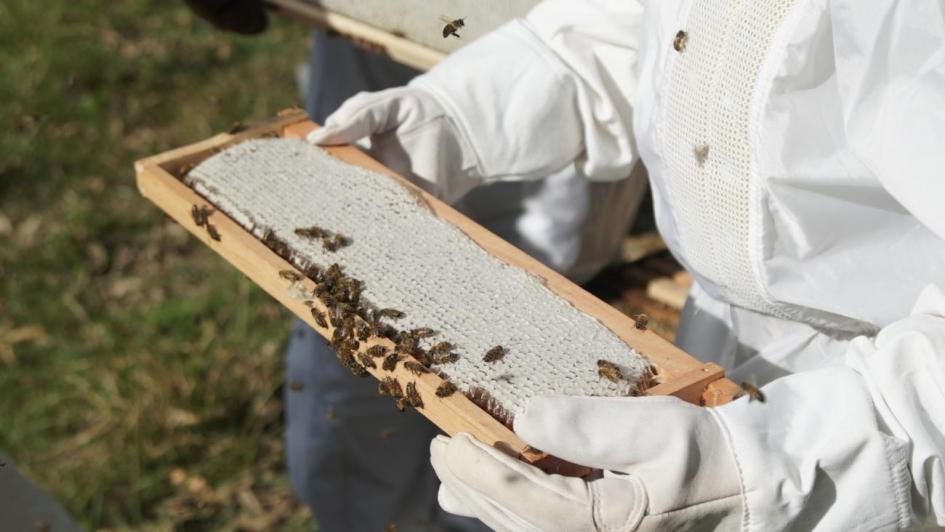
797	155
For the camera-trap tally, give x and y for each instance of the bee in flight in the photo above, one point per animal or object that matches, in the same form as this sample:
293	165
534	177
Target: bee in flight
452	26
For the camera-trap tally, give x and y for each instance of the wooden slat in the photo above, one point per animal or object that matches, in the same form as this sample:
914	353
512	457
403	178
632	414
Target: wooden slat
679	373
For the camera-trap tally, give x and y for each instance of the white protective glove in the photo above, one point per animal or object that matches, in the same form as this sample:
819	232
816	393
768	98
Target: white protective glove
859	446
522	102
668	466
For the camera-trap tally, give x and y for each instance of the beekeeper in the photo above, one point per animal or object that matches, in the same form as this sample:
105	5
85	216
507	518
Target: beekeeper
796	153
355	460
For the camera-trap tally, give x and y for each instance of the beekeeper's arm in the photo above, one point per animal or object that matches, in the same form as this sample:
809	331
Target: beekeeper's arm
856	447
522	102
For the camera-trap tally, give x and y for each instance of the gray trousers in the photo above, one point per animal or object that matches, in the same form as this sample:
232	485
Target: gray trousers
352	457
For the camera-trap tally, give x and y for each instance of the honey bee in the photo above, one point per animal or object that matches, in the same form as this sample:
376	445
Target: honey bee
212	231
422	332
340	241
311	232
390	362
413	396
343	354
366	360
290	276
679	42
702	154
415	367
401	404
390	313
386	435
358	370
199	218
444	358
753	392
376	351
609	371
407	344
346	358
335	243
452	26
393	388
385	331
445	389
276	244
200	214
442	347
313	272
333	272
319	317
494	354
363	331
641	321
320	290
329	244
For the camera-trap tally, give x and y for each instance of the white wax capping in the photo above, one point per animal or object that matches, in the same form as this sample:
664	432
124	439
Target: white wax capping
411	260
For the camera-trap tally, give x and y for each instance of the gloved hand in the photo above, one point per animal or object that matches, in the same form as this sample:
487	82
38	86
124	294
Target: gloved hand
247	17
515	104
668	465
411	134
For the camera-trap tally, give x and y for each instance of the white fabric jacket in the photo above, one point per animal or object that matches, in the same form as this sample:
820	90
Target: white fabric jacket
796	153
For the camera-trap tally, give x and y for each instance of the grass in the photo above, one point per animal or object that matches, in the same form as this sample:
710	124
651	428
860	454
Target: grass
140	374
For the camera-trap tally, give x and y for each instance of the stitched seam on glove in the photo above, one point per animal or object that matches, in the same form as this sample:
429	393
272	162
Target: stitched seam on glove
902	483
633	517
746	513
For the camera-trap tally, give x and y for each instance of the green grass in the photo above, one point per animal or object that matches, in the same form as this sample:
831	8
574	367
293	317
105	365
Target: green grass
139	373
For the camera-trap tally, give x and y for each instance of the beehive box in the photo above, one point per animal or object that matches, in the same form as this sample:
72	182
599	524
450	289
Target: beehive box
553	354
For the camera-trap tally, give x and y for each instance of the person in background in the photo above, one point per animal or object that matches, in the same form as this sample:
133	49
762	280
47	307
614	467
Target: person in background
794	149
356	461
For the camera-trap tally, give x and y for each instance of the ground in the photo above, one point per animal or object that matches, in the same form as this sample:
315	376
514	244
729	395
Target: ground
140	374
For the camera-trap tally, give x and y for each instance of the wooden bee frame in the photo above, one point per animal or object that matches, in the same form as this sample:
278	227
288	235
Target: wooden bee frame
676	372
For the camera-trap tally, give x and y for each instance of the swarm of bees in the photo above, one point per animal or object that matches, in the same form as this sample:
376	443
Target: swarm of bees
452	26
354	321
201	216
